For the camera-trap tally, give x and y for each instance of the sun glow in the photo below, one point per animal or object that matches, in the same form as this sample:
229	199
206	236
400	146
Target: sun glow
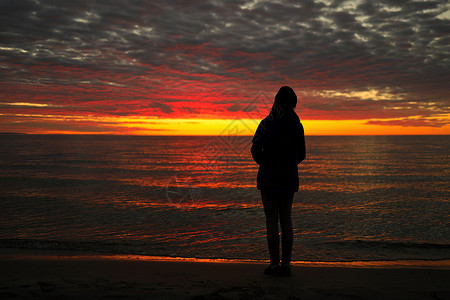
361	127
140	125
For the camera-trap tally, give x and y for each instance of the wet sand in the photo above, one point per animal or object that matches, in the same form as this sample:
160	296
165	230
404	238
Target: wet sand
94	277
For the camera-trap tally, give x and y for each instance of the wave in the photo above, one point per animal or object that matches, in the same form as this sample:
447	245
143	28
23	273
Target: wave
388	245
348	251
360	250
89	246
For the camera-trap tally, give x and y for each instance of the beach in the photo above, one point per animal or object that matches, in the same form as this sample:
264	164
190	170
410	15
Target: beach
55	276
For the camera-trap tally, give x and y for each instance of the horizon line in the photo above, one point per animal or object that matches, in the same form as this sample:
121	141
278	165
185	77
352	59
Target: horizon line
205	135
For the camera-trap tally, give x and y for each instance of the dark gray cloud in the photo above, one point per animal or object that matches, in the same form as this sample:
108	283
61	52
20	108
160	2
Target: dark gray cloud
408	122
162	107
95	54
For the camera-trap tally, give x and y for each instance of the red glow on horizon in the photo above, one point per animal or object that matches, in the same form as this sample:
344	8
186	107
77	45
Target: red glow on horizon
187	103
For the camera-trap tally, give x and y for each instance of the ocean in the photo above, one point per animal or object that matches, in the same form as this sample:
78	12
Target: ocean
361	198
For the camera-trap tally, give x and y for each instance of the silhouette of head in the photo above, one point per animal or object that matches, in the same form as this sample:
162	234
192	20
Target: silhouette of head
286	98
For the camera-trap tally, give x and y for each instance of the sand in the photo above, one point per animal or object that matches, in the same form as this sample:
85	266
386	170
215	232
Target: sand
97	277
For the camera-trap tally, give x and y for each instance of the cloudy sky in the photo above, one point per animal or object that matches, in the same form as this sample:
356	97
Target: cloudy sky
154	67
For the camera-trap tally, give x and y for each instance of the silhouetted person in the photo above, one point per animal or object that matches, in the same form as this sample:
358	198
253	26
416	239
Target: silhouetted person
278	148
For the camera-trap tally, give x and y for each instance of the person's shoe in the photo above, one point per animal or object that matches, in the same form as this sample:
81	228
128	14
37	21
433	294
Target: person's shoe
285	270
272	270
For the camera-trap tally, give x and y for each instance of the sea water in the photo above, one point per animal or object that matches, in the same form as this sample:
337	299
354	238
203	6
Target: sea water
360	198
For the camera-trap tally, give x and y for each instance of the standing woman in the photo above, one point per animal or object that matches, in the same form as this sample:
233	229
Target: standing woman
278	148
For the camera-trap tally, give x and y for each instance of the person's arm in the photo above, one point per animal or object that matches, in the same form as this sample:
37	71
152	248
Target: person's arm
257	149
301	145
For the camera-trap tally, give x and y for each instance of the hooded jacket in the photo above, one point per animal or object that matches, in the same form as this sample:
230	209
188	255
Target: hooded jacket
278	147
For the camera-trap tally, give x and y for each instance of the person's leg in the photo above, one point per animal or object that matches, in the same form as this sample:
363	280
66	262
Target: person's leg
287	233
273	239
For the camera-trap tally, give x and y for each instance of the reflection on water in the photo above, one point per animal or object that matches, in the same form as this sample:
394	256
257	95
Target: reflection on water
197	197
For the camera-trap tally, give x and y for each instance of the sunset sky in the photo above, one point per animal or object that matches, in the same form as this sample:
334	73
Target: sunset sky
208	67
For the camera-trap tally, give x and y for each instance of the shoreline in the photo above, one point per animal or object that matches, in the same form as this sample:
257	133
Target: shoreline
29	254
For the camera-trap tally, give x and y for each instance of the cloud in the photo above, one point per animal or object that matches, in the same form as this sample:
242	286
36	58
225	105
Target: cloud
411	122
235	107
211	58
162	107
